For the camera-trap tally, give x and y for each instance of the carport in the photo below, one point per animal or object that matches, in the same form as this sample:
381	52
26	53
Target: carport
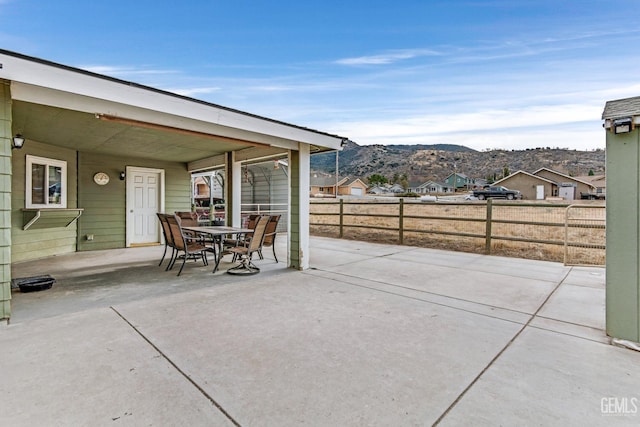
113	153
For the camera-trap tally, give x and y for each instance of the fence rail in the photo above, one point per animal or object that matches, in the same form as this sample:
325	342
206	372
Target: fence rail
247	209
574	234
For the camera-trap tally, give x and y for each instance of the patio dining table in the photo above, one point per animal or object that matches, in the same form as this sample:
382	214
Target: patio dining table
218	234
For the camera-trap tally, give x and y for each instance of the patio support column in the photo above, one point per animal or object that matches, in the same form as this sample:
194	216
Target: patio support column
299	180
623	231
233	193
5	200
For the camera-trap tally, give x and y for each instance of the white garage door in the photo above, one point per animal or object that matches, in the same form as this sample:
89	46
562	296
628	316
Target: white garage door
355	191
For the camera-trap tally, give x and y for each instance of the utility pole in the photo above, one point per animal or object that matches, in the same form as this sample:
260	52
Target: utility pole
337	172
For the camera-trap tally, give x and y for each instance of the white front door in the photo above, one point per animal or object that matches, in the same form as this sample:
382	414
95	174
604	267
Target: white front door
144	200
539	192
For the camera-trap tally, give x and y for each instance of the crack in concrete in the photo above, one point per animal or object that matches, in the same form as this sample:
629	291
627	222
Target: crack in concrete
177	368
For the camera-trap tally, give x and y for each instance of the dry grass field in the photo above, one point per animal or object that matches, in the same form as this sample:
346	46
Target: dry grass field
517	229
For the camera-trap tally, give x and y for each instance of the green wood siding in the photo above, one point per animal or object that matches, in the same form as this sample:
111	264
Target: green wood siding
104	214
623	225
5	200
34	243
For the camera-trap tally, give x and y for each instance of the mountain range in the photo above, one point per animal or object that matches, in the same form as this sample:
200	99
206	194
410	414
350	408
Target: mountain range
420	163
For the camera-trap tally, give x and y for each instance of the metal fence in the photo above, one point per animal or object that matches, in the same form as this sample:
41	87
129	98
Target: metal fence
574	234
247	209
585	235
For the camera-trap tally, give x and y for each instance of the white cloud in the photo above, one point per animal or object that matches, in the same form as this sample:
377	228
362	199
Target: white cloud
193	91
123	71
387	58
567	125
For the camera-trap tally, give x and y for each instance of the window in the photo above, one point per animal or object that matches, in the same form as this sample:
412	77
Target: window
46	183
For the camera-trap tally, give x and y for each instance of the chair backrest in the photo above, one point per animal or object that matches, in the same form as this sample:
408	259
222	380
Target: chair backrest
176	232
165	229
252	220
258	234
188	219
270	232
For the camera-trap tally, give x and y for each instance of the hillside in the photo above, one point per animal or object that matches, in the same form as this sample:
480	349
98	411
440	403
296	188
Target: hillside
435	162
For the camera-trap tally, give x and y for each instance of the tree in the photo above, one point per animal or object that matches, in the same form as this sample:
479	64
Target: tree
400	179
377	179
404	182
591	173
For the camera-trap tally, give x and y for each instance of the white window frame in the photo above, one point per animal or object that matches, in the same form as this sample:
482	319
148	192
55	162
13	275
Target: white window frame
31	160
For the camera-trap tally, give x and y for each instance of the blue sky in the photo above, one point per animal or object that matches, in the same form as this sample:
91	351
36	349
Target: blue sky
487	74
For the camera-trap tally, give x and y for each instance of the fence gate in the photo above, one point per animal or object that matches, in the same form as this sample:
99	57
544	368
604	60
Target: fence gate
585	230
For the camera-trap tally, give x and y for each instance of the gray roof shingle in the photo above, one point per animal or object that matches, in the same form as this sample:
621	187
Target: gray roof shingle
621	108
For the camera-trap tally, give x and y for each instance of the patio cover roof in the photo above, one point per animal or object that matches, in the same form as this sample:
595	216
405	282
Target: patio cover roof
85	111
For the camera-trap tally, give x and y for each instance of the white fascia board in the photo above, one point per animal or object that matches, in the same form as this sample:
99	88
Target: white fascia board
67	80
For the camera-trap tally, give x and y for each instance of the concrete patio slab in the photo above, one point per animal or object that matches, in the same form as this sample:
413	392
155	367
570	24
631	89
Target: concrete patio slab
91	368
518	267
495	289
104	278
551	379
319	352
383	339
324	258
437	257
581	305
586	276
358	247
431	297
572	329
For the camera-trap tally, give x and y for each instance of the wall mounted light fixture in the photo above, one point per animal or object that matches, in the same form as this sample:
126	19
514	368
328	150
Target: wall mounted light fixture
122	176
17	142
623	125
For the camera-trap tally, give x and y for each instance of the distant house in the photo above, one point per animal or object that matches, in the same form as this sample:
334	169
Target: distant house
352	187
458	181
531	186
376	189
599	182
569	188
325	186
396	188
431	187
480	183
545	183
414	186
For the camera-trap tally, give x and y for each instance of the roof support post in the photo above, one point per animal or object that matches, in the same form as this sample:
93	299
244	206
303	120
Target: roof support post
233	190
299	184
623	231
5	200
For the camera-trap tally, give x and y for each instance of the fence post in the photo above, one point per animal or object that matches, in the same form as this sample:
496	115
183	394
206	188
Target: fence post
341	219
487	245
401	221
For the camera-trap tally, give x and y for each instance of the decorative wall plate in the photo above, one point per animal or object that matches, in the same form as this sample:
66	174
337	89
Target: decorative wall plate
101	178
